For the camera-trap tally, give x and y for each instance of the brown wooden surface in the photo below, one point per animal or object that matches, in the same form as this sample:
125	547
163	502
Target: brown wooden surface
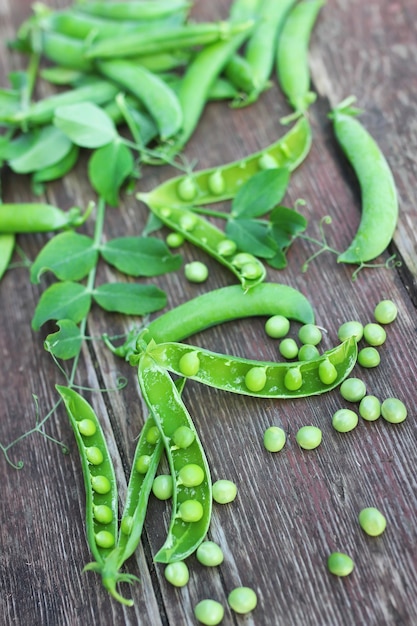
295	507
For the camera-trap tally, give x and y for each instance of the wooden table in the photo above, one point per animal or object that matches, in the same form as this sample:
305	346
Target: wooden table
295	507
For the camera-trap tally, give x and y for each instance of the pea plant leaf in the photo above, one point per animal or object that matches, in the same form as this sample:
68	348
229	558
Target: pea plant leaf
66	342
251	236
140	256
64	300
86	124
69	256
129	298
38	149
260	193
108	168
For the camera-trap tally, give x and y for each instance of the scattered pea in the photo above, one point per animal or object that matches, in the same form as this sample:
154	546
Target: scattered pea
209	612
224	491
87	427
183	437
94	455
174	240
293	379
226	247
369	357
191	511
189	363
177	574
344	420
274	439
100	484
370	408
374	334
353	389
350	329
277	326
242	600
308	352
393	410
102	513
309	437
196	272
327	372
209	554
372	521
104	539
162	486
288	348
340	564
310	333
385	312
142	463
191	475
255	378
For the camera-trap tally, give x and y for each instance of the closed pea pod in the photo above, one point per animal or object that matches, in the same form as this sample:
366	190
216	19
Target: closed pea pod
132	10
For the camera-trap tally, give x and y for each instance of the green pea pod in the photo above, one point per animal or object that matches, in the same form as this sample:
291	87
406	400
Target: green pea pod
221	183
133	10
36	217
182	447
7	243
378	190
263	379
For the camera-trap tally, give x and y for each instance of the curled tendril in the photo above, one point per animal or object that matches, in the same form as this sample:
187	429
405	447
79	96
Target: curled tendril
322	243
391	263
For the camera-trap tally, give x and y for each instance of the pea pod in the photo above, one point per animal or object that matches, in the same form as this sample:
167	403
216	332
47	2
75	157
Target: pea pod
37	217
186	532
132	10
378	190
217	184
264	379
7	243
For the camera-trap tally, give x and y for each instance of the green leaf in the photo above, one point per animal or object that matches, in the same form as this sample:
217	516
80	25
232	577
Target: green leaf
65	343
69	256
279	261
285	224
66	300
140	256
153	223
251	236
38	149
129	298
108	168
261	193
86	124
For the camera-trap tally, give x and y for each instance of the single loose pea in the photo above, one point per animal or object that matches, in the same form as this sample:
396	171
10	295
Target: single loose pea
126	525
224	491
393	410
177	574
242	600
372	521
216	183
191	511
153	435
350	329
187	189
87	427
288	348
104	539
102	513
327	372
183	437
293	379
340	564
344	420
385	312
191	475
369	357
94	455
174	240
196	272
209	554
277	326
310	333
309	437
226	247
143	463
370	408
162	486
209	612
189	363
255	378
100	484
353	389
374	334
274	439
308	352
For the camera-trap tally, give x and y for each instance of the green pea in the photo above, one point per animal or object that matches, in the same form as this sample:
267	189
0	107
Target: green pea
87	427
327	372
142	463
162	486
188	222
102	513
310	333
224	491
308	352
191	475
369	357
340	564
187	189
175	240
189	363
293	379
374	334
393	410
216	183
94	455
177	574
191	511
126	525
209	554
251	271
350	329
344	420
196	272
255	378
242	258
100	484
183	437
372	521
353	389
288	348
309	437
104	539
242	600
274	439
267	162
277	326
153	435
209	612
385	312
226	247
370	408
